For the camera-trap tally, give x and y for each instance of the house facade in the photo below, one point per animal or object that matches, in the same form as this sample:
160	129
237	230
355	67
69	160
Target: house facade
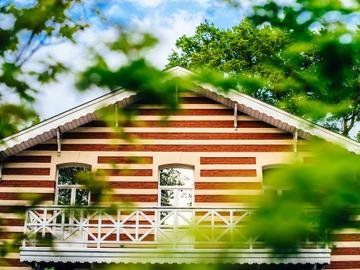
215	149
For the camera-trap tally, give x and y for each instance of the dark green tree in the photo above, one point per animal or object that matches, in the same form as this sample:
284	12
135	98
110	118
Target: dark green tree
285	62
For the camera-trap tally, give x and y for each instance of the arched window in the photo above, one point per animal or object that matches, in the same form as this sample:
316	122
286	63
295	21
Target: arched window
268	186
68	191
176	185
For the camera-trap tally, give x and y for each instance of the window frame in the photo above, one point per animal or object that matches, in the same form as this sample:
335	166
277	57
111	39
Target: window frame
72	188
267	188
176	188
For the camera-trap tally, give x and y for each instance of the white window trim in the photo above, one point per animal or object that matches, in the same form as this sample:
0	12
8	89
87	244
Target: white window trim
72	187
176	166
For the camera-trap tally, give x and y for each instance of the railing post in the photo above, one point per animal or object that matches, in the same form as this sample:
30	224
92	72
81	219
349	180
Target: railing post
44	222
137	226
118	226
157	216
25	227
62	211
81	231
98	239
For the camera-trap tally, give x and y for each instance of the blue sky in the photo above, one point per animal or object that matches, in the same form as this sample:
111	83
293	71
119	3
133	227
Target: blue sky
165	19
214	11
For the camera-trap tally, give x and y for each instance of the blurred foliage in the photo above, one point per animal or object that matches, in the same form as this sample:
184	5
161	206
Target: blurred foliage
28	28
300	56
15	117
320	194
302	62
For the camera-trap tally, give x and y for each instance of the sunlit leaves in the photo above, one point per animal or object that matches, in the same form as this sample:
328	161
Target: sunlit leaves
132	44
14	118
34	26
317	198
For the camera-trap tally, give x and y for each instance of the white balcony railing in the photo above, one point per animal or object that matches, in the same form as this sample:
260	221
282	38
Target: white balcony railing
132	230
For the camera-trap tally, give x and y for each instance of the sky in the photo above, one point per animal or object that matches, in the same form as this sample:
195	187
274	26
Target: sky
165	19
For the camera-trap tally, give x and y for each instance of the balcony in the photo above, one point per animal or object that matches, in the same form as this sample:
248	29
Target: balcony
150	235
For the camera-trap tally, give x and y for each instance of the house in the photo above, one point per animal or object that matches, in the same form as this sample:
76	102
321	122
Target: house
216	147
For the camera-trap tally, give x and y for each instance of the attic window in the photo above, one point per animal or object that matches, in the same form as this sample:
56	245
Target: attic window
68	191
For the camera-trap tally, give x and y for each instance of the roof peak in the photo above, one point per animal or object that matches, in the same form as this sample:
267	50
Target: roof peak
85	113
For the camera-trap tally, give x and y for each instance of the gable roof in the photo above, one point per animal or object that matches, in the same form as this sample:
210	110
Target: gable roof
85	113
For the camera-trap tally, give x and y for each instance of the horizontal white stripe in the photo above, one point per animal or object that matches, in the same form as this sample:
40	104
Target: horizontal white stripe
227	192
124	166
229	167
188	106
10	216
135	191
131	178
229	179
135	204
337	258
21	202
174	142
181	130
225	204
349	244
12	228
192	117
26	190
270	157
348	231
27	177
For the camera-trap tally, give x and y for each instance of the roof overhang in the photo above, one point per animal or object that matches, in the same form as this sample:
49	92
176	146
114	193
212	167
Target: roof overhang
65	121
87	112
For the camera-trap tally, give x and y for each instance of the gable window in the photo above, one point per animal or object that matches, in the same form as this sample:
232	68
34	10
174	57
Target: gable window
271	190
68	191
176	186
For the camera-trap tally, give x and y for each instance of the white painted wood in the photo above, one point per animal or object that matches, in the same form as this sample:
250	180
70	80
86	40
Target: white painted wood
58	141
82	235
174	256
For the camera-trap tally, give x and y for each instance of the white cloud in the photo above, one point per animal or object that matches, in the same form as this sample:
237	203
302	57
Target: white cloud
62	95
146	3
167	29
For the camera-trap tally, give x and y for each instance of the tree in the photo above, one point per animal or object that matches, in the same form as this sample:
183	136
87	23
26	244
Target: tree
290	64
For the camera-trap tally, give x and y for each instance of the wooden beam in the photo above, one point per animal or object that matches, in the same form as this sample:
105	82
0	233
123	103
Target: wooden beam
296	140
235	117
58	141
116	115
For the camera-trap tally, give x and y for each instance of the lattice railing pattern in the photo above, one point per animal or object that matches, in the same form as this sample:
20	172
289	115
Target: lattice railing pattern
135	227
89	227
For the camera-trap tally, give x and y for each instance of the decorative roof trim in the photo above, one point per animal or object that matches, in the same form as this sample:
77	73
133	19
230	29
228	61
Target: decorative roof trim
85	113
65	121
